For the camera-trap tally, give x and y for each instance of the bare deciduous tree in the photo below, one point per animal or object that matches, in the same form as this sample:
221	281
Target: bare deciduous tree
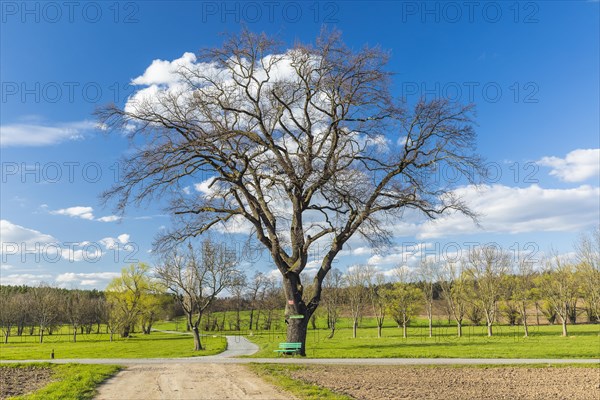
427	272
486	265
404	299
560	288
356	281
332	298
197	277
588	255
303	146
454	288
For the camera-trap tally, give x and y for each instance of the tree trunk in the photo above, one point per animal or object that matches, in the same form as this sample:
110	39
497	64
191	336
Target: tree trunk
564	326
197	343
330	336
489	328
251	318
459	328
296	332
74	334
430	316
354	326
41	335
6	334
404	335
524	316
379	329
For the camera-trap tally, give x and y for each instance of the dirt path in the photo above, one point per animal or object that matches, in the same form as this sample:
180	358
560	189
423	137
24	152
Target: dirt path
185	381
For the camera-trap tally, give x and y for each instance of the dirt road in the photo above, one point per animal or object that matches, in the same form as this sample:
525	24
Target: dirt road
186	381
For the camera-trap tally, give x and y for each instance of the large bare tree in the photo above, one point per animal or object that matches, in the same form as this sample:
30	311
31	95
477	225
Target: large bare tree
300	147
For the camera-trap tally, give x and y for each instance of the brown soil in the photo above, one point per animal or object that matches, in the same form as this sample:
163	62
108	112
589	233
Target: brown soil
397	382
19	381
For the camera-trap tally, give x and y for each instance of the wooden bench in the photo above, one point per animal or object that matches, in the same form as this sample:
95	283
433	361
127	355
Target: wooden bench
289	348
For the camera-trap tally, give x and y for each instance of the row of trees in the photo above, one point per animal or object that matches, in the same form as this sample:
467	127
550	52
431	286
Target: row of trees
482	287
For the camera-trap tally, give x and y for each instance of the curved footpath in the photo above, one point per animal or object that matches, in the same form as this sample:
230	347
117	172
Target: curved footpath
238	346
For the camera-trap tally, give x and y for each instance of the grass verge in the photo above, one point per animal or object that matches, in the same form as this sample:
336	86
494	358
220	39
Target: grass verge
70	381
279	375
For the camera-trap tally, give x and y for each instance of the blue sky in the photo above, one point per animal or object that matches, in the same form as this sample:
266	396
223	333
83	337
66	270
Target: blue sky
530	67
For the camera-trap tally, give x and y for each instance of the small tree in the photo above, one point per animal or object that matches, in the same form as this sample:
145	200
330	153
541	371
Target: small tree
128	294
588	254
560	288
486	267
45	311
379	299
427	273
332	298
197	277
404	299
356	281
455	292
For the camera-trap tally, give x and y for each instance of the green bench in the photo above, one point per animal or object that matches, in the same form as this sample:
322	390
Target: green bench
289	348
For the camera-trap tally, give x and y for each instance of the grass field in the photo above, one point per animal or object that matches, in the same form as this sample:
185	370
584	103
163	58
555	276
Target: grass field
544	341
94	345
70	381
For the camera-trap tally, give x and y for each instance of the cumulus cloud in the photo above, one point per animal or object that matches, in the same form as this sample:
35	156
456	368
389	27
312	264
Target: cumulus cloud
109	218
577	166
35	135
162	72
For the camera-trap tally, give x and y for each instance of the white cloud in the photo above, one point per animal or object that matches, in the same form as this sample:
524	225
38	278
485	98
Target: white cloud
123	238
578	165
86	279
6	267
109	218
28	135
24	279
76	212
162	72
84	212
17	235
506	209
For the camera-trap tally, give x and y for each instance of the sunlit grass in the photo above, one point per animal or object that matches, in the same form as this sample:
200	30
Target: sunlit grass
69	381
545	341
155	345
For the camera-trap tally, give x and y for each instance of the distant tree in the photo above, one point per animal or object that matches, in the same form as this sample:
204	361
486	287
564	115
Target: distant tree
404	299
45	312
486	267
75	308
356	281
332	298
196	278
256	292
455	292
588	269
9	310
128	295
427	272
559	288
379	297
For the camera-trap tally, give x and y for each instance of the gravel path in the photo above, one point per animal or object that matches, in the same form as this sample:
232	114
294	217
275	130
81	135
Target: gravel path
184	381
